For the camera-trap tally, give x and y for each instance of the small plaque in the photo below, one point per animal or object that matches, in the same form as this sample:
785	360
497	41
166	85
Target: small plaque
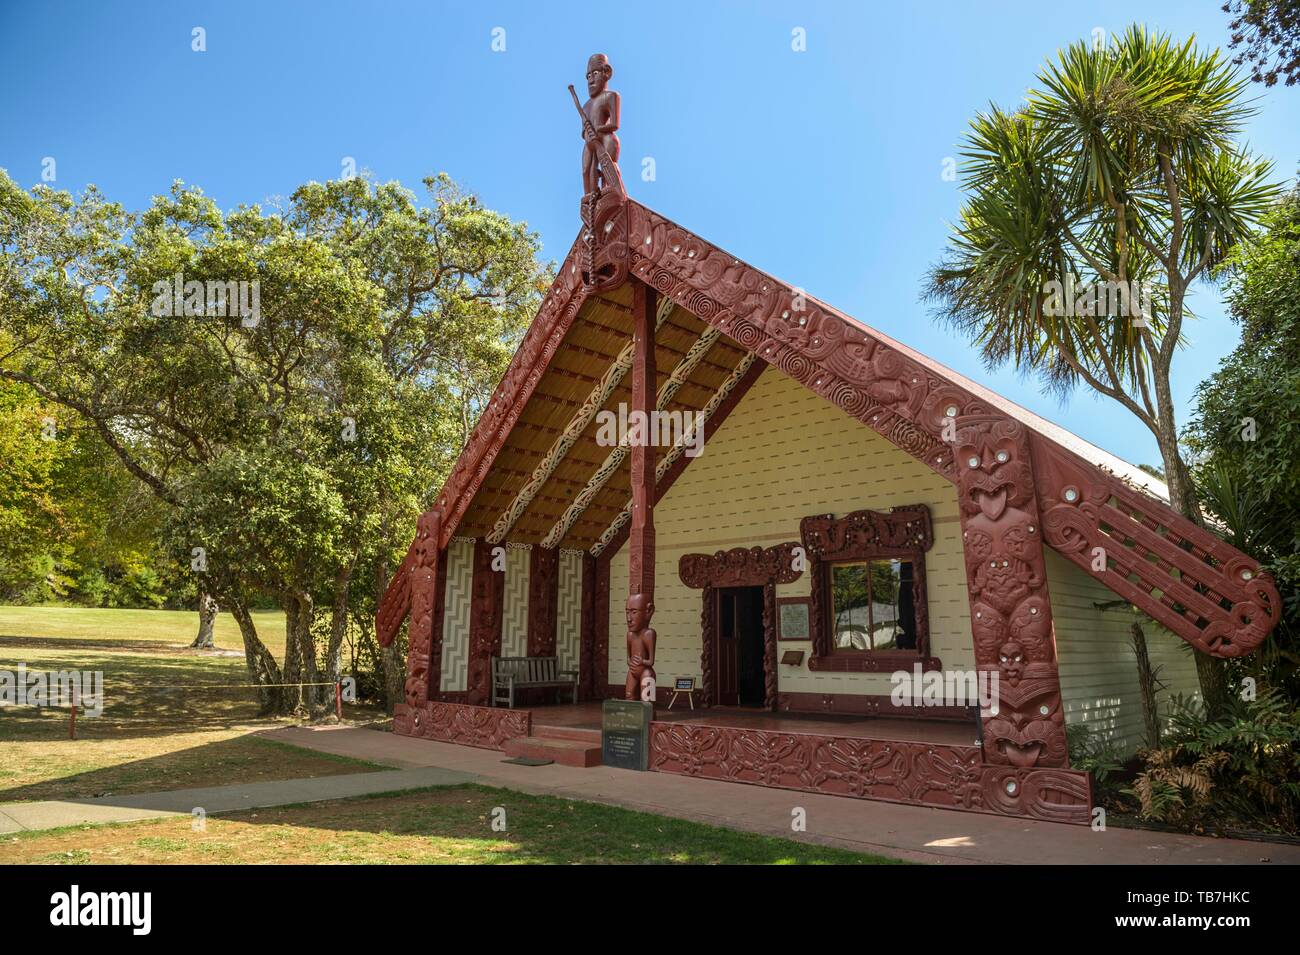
792	618
625	734
684	683
792	658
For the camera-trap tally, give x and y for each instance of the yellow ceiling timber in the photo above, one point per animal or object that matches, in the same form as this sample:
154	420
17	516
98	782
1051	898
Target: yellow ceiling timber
616	457
571	433
676	451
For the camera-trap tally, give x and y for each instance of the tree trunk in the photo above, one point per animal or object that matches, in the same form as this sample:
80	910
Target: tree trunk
1211	672
207	621
338	625
262	668
1148	684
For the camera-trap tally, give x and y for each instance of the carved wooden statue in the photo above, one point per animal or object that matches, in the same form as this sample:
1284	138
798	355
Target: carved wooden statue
640	645
603	193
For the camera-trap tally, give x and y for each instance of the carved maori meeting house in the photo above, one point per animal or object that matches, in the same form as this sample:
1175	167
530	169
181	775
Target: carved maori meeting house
857	510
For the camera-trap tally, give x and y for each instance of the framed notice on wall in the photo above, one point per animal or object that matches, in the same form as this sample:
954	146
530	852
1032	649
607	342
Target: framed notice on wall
792	618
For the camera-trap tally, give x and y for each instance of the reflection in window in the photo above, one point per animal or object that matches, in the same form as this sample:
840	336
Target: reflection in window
871	605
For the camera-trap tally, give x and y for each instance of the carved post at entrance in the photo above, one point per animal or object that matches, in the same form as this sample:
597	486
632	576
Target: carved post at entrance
424	590
641	540
487	590
1006	577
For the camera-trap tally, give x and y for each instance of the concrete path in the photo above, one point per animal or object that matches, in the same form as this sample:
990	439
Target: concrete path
51	814
908	832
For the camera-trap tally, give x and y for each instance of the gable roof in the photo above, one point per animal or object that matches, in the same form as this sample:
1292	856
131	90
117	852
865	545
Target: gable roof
1184	577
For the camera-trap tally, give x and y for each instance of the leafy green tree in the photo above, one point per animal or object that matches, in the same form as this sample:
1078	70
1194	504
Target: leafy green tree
296	437
1091	211
1269	32
1246	428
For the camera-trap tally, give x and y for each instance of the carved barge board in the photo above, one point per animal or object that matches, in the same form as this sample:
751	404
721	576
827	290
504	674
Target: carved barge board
916	773
481	726
908	402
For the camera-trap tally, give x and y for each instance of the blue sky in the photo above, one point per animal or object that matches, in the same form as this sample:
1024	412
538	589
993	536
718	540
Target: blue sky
822	167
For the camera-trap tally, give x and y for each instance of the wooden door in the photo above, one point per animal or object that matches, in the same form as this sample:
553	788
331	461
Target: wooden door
726	654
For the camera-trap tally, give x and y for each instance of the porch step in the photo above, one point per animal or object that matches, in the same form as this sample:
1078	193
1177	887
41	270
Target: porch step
577	733
566	752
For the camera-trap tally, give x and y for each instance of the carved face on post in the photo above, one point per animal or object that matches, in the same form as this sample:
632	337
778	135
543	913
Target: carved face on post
993	472
639	612
598	74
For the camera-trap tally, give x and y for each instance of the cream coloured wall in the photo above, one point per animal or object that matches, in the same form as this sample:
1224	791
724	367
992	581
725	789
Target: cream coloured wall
782	454
1098	673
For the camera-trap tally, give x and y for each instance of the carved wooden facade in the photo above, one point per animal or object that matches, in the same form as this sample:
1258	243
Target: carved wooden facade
739	567
904	533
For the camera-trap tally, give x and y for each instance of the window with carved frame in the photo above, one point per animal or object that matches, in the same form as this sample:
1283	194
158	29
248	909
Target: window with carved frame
869	603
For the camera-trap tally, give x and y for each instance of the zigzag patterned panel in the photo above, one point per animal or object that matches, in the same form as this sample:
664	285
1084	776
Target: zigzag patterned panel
514	608
568	626
455	618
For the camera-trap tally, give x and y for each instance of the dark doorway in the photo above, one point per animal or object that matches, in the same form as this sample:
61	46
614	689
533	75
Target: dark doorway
738	653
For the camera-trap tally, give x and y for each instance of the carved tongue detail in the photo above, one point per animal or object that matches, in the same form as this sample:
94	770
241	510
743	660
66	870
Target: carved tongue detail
992	505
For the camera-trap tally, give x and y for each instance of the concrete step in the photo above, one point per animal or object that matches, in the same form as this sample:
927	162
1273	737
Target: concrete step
566	752
578	733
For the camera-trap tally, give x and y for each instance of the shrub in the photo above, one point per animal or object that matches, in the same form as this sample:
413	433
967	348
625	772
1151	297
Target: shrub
1242	769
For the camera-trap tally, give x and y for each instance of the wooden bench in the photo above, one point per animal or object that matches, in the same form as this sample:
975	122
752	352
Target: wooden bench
528	673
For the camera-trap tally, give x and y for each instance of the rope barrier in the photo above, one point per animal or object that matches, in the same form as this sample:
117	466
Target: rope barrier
337	684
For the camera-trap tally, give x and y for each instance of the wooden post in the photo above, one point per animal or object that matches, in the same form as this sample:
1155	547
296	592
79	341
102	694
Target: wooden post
338	700
641	540
72	721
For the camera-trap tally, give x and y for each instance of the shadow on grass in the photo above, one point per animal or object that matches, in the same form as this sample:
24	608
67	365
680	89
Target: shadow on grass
463	824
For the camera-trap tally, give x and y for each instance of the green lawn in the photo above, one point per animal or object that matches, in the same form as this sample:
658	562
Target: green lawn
170	720
448	825
135	626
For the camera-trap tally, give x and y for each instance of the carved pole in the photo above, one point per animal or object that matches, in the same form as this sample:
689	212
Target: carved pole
1006	576
641	541
423	589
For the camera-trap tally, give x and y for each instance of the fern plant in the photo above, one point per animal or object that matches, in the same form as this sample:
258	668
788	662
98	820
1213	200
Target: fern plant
1240	769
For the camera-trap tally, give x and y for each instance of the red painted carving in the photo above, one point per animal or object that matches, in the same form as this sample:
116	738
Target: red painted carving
600	678
740	567
1196	585
641	541
884	385
481	726
487	589
1006	580
904	533
603	193
679	465
928	774
543	597
423	595
706	652
590	626
769	647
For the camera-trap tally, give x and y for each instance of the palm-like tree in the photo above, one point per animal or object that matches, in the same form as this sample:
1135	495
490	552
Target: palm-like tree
1121	168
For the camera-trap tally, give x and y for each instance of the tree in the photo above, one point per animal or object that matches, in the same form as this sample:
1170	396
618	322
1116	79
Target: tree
1270	32
1091	211
296	402
1246	427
